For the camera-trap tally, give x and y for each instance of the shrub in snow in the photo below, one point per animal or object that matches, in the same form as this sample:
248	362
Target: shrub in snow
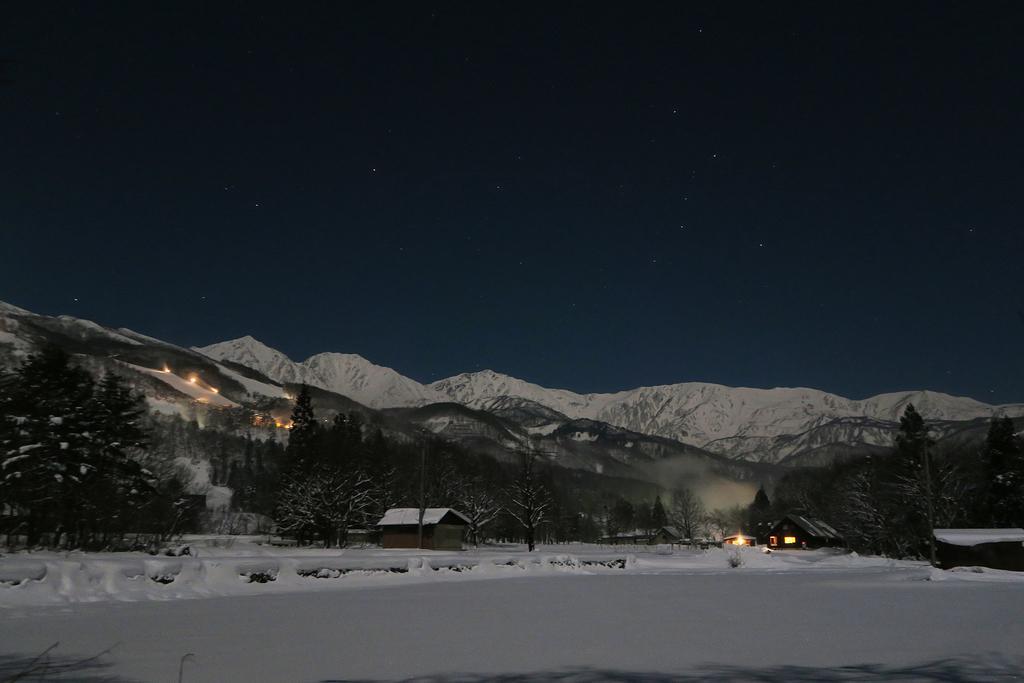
735	559
261	576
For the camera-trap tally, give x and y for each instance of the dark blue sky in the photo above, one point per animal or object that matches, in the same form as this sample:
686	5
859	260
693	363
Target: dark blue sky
591	198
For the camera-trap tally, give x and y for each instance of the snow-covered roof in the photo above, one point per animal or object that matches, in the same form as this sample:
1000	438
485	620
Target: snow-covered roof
969	537
815	527
411	516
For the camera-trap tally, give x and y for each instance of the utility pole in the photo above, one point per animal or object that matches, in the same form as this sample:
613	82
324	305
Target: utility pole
423	497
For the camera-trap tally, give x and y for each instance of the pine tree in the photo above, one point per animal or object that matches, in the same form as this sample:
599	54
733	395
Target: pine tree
304	435
761	503
642	516
658	516
1003	457
46	444
116	484
913	448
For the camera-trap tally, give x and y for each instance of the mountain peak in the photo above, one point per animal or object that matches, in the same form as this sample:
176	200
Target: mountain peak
11	308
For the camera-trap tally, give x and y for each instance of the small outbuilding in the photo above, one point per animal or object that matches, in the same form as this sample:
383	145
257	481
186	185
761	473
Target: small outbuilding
995	548
797	532
740	539
443	528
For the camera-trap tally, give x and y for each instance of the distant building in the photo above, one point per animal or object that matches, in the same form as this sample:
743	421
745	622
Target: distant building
443	528
739	539
995	548
794	531
661	536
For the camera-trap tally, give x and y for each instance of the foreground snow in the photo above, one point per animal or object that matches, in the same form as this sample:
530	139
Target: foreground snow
241	566
573	615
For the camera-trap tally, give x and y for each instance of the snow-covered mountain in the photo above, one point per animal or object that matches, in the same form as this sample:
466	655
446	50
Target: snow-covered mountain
787	425
344	373
768	425
754	424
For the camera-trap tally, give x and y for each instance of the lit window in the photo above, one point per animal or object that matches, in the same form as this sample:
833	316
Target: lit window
773	540
789	540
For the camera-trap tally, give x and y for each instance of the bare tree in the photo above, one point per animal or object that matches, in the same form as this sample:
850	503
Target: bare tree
478	504
528	499
687	512
862	518
727	520
324	503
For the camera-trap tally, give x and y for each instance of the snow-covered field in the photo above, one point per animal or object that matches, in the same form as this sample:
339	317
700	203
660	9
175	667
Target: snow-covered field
565	613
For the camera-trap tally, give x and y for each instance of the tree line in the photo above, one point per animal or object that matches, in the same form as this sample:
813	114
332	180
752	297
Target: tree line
890	504
72	460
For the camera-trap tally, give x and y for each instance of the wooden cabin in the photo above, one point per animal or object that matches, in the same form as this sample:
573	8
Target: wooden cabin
443	528
802	533
995	548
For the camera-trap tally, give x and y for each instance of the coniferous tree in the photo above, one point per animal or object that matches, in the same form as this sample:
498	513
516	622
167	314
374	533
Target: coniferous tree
115	483
69	453
1004	468
304	435
759	514
658	516
643	518
623	516
47	446
915	481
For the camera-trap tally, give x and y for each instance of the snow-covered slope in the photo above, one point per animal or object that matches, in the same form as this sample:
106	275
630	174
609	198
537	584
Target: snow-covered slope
345	373
193	388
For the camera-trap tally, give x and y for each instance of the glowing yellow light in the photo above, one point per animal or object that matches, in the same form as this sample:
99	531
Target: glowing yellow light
215	390
739	540
789	540
192	379
166	369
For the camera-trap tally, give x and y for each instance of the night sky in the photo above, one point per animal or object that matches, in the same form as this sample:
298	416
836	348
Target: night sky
773	194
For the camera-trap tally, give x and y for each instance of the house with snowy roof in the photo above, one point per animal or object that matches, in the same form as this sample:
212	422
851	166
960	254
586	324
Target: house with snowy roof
798	532
995	548
443	528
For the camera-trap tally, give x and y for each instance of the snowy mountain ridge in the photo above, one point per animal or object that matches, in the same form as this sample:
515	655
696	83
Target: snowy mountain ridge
345	373
745	423
783	425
